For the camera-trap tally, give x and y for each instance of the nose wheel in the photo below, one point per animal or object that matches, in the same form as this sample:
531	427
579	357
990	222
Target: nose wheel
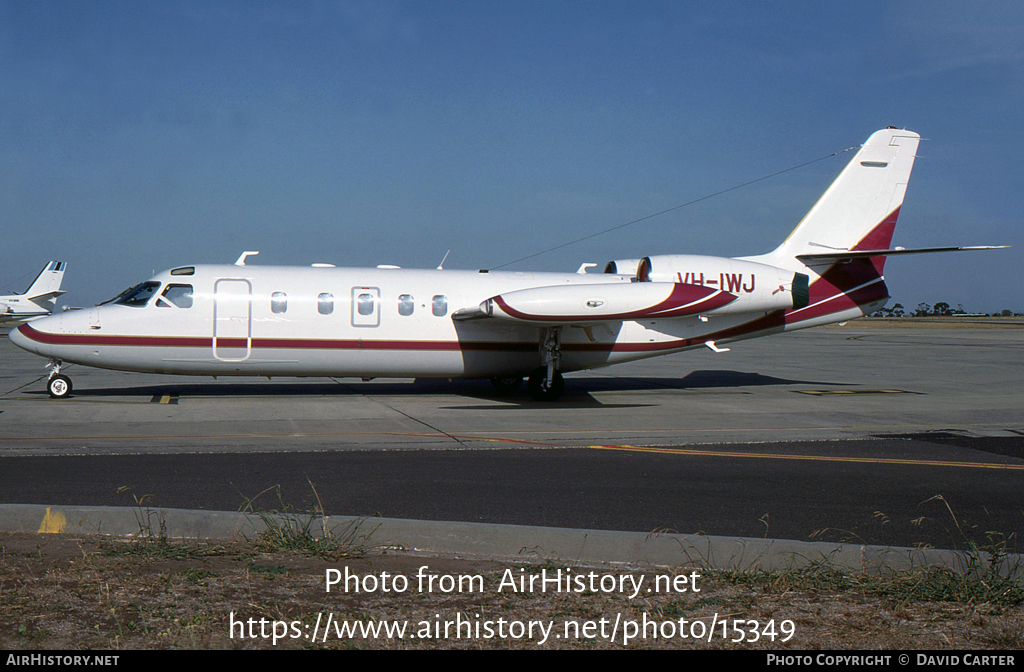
59	386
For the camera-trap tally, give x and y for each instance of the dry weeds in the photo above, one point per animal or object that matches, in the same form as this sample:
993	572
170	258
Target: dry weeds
69	592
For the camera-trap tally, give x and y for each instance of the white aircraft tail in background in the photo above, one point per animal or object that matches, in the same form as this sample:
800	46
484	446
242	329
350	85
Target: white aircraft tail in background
38	300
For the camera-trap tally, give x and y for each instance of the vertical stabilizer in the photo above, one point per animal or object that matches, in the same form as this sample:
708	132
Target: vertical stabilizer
46	287
859	210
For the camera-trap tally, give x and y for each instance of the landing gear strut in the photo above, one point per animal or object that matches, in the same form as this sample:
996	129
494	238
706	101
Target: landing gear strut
58	385
546	383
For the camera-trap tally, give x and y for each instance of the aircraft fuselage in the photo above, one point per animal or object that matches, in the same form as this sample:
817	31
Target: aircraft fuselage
371	322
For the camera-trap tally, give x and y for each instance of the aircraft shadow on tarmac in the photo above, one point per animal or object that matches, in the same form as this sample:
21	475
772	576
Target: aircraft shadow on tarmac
578	392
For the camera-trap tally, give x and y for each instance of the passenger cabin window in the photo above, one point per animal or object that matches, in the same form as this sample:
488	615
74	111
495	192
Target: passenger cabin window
279	302
325	303
406	304
364	304
139	295
179	296
439	305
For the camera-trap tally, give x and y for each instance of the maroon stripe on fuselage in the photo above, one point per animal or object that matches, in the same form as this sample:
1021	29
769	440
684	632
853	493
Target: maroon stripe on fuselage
268	343
97	339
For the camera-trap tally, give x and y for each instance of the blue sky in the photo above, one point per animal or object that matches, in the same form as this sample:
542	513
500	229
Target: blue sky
138	136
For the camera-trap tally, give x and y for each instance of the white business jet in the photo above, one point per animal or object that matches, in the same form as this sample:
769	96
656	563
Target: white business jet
251	320
38	300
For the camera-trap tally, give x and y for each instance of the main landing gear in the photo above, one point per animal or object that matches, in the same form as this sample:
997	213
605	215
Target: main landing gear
546	383
58	385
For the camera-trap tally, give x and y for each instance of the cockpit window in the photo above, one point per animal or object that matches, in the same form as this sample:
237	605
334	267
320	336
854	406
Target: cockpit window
137	296
176	295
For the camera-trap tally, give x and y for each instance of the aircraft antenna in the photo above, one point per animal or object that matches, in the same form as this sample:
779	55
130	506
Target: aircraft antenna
247	253
677	207
440	266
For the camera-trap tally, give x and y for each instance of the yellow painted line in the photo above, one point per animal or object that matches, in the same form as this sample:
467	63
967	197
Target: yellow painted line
689	452
829	393
53	523
810	458
528	442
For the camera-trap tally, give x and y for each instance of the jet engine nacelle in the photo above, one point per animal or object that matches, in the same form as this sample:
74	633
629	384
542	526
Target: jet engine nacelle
622	267
669	287
756	286
583	304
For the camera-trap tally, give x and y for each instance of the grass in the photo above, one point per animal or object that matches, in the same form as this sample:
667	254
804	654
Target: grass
154	592
306	532
920	584
151	541
280	530
984	574
73	595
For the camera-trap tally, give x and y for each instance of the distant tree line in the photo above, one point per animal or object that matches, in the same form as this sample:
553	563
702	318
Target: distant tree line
939	309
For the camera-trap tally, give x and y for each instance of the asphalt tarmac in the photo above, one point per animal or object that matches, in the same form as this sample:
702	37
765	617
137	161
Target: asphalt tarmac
869	433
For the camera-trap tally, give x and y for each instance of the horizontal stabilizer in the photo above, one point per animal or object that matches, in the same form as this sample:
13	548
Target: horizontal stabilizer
861	254
48	295
45	301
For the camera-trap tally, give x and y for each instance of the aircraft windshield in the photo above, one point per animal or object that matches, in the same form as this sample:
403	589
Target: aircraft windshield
137	296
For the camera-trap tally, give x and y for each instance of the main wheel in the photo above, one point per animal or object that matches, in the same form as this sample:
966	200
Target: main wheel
59	386
541	392
506	385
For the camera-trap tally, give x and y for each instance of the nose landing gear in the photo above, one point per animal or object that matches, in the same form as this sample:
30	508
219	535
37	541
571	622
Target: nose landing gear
58	385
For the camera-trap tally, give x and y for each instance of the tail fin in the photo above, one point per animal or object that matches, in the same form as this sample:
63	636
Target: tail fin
859	210
46	287
839	247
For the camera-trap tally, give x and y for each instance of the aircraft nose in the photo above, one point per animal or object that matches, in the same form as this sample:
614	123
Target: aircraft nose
19	339
34	336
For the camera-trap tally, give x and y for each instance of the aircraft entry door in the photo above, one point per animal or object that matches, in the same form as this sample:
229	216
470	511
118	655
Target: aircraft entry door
232	319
